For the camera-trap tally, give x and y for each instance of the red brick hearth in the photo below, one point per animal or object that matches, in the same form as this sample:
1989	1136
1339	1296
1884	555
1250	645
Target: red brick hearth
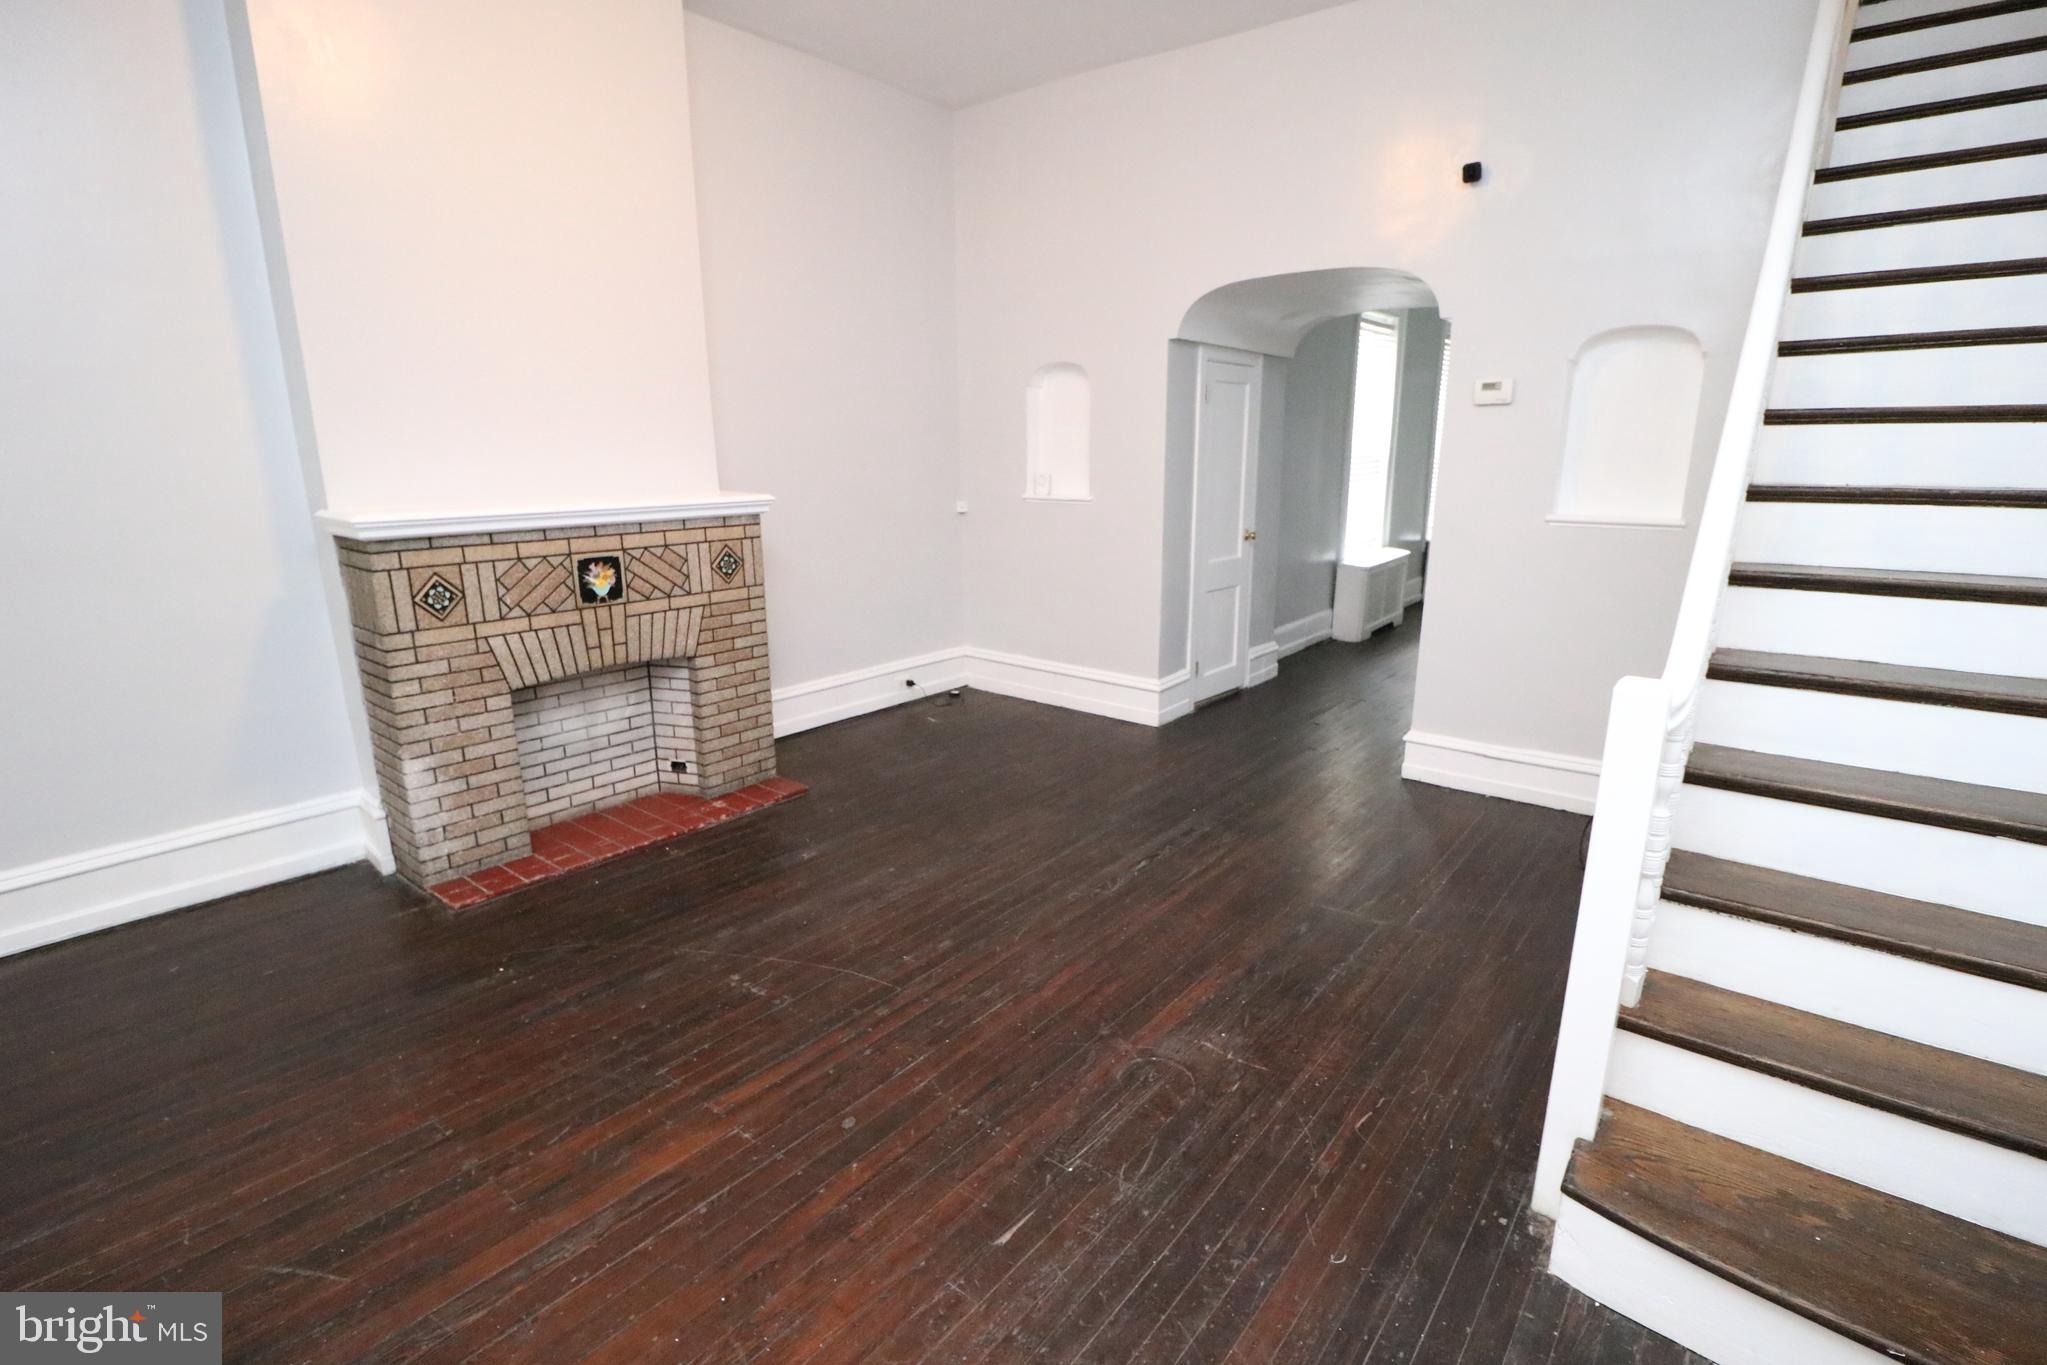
606	834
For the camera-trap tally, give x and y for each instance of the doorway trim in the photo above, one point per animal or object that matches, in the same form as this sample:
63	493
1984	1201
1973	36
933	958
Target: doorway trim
1235	675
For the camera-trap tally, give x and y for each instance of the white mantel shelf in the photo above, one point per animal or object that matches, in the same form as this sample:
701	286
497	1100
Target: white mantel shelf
360	526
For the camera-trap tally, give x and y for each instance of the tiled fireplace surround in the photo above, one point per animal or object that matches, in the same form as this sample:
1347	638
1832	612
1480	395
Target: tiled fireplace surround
502	691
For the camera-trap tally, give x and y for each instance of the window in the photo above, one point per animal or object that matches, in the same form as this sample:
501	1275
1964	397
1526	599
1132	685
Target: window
1634	408
1371	436
1058	407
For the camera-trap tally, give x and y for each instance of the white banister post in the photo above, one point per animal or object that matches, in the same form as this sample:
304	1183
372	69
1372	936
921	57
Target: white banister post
1630	769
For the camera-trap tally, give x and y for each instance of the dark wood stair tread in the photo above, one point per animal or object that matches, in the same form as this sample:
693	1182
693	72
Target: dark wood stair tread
1991	9
1889	682
1959	104
1914	341
1898	1277
1970	412
1940	61
2003	812
1930	213
1931	161
1922	274
1961	940
1897	495
1951	587
1997	1104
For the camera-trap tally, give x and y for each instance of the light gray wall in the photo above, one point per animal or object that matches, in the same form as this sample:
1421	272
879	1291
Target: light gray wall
1093	212
1314	457
825	210
155	534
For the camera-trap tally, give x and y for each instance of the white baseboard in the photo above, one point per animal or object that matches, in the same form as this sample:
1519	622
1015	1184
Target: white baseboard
1295	636
1122	696
1261	664
1560	781
65	897
842	696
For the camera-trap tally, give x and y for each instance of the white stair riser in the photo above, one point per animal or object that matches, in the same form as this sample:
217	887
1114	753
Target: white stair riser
1991	1186
1983	747
2006	179
1944	38
1925	455
1695	1308
1960	376
1950	1010
2019	301
1970	637
1938	133
1948	867
1997	237
1948	82
1980	540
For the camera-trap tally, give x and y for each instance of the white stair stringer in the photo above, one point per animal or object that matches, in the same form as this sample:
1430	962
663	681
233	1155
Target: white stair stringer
1954	1173
1904	997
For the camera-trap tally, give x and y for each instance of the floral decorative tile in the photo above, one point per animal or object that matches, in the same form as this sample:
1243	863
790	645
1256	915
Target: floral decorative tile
600	579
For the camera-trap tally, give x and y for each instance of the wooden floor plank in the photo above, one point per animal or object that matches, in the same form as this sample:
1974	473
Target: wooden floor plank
1025	1033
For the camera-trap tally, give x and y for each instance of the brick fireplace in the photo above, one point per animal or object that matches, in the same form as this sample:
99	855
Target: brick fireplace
520	676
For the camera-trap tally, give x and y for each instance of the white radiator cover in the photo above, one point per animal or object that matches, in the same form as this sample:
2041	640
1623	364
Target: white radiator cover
1371	593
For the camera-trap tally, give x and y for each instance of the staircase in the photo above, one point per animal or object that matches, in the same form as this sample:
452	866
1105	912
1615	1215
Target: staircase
1815	1131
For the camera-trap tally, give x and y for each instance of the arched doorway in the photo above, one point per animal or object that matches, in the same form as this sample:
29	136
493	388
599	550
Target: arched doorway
1271	388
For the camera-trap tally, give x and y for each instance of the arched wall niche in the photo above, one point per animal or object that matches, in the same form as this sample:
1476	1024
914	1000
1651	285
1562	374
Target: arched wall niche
1631	422
1058	410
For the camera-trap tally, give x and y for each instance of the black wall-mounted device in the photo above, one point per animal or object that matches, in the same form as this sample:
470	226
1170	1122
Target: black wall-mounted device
1474	171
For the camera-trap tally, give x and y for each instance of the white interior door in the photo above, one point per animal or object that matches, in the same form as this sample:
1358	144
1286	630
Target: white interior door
1225	480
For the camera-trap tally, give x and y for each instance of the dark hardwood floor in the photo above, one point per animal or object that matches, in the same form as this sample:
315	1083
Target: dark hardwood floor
1025	1035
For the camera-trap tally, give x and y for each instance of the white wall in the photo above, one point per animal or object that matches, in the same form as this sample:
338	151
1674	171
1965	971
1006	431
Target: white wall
826	215
487	218
1314	457
169	668
1631	151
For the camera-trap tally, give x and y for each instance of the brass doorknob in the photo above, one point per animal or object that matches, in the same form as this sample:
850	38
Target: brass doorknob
1250	535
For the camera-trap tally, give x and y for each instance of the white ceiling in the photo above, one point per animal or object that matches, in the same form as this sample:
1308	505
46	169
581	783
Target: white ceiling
960	52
